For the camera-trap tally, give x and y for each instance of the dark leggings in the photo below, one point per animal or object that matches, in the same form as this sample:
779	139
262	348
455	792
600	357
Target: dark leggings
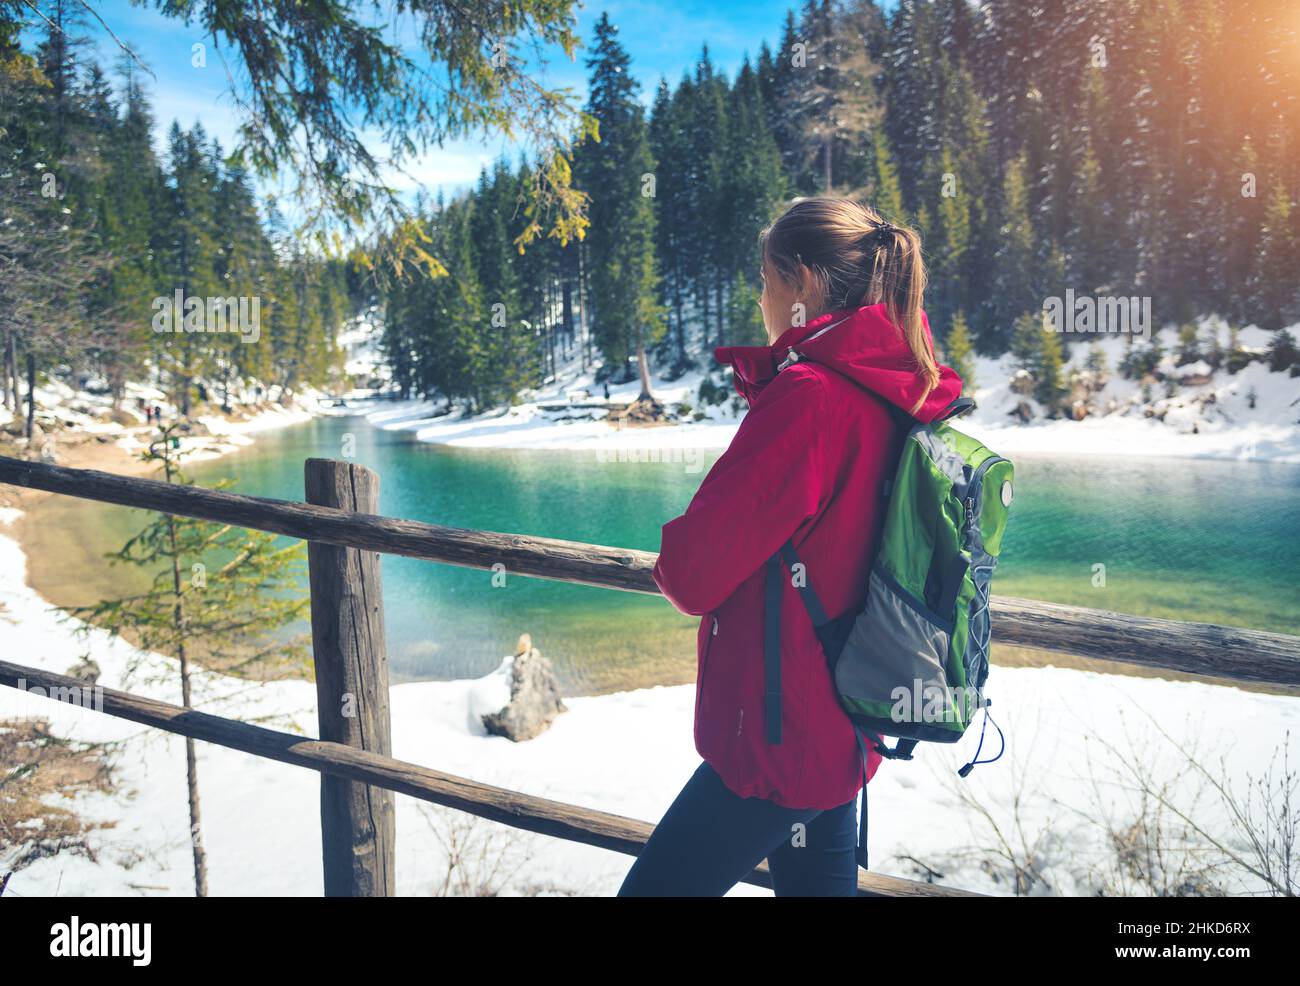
710	838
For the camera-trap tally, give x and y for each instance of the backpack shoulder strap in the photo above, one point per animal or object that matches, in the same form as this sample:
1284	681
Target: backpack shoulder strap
812	602
962	405
772	632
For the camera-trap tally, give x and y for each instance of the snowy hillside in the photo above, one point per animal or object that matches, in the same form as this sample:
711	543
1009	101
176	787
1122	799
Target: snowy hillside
1253	413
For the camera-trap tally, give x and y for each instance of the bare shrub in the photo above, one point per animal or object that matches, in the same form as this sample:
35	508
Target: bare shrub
38	767
484	858
1196	832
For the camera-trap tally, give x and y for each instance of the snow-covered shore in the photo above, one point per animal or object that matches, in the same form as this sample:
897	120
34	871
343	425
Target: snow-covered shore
226	435
1252	414
82	413
627	753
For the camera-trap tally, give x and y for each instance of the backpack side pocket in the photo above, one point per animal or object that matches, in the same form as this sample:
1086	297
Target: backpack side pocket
891	673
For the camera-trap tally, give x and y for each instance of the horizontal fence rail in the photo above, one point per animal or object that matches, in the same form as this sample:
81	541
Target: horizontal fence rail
513	808
1193	648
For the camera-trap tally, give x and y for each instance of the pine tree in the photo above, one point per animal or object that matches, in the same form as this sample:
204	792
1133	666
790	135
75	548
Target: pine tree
1027	341
753	184
912	92
960	352
745	318
1273	290
217	595
505	337
886	194
189	265
836	98
668	144
1013	290
783	82
1049	374
708	129
623	273
949	240
1097	363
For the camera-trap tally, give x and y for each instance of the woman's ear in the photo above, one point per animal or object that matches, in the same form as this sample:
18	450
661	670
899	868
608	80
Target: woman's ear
809	288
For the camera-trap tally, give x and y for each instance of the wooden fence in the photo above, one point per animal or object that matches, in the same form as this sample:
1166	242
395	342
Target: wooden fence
353	754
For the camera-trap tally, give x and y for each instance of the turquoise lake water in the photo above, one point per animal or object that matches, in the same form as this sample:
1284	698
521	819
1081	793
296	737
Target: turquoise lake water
1186	539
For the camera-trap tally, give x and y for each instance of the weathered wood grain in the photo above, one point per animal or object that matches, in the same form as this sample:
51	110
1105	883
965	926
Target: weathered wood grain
358	821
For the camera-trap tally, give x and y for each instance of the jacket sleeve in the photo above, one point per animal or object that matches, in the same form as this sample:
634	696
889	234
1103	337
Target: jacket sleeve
767	483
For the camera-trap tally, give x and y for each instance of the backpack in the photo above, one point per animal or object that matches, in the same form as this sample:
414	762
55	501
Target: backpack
912	662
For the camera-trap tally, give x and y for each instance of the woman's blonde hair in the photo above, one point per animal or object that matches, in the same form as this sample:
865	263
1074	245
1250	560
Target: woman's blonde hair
857	258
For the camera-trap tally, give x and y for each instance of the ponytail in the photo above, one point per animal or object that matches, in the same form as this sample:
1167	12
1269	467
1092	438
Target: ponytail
902	278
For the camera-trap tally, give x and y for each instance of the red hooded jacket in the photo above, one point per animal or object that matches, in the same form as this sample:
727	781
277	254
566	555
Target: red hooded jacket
808	461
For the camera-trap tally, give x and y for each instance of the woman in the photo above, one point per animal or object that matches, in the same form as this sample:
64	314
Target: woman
849	366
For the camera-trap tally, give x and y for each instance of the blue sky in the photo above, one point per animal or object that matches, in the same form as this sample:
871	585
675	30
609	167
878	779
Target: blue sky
661	38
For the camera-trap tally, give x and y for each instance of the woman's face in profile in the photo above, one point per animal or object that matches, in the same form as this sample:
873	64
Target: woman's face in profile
777	302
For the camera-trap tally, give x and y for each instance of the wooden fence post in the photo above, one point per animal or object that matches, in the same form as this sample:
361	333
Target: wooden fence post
358	825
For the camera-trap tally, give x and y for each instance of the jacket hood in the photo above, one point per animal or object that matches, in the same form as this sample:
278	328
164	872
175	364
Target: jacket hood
863	345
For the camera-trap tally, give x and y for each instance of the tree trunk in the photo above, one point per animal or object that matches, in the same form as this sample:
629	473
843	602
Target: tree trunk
5	399
721	307
702	296
644	366
117	385
31	394
566	316
583	325
11	359
191	762
677	308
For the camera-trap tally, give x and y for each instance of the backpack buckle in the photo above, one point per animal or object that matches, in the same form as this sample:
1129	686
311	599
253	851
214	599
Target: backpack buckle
902	750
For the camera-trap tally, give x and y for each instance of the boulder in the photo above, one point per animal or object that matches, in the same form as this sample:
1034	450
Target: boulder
639	412
1022	383
85	670
534	696
1023	412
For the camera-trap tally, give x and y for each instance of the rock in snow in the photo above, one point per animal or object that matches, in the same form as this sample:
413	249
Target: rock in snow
534	695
